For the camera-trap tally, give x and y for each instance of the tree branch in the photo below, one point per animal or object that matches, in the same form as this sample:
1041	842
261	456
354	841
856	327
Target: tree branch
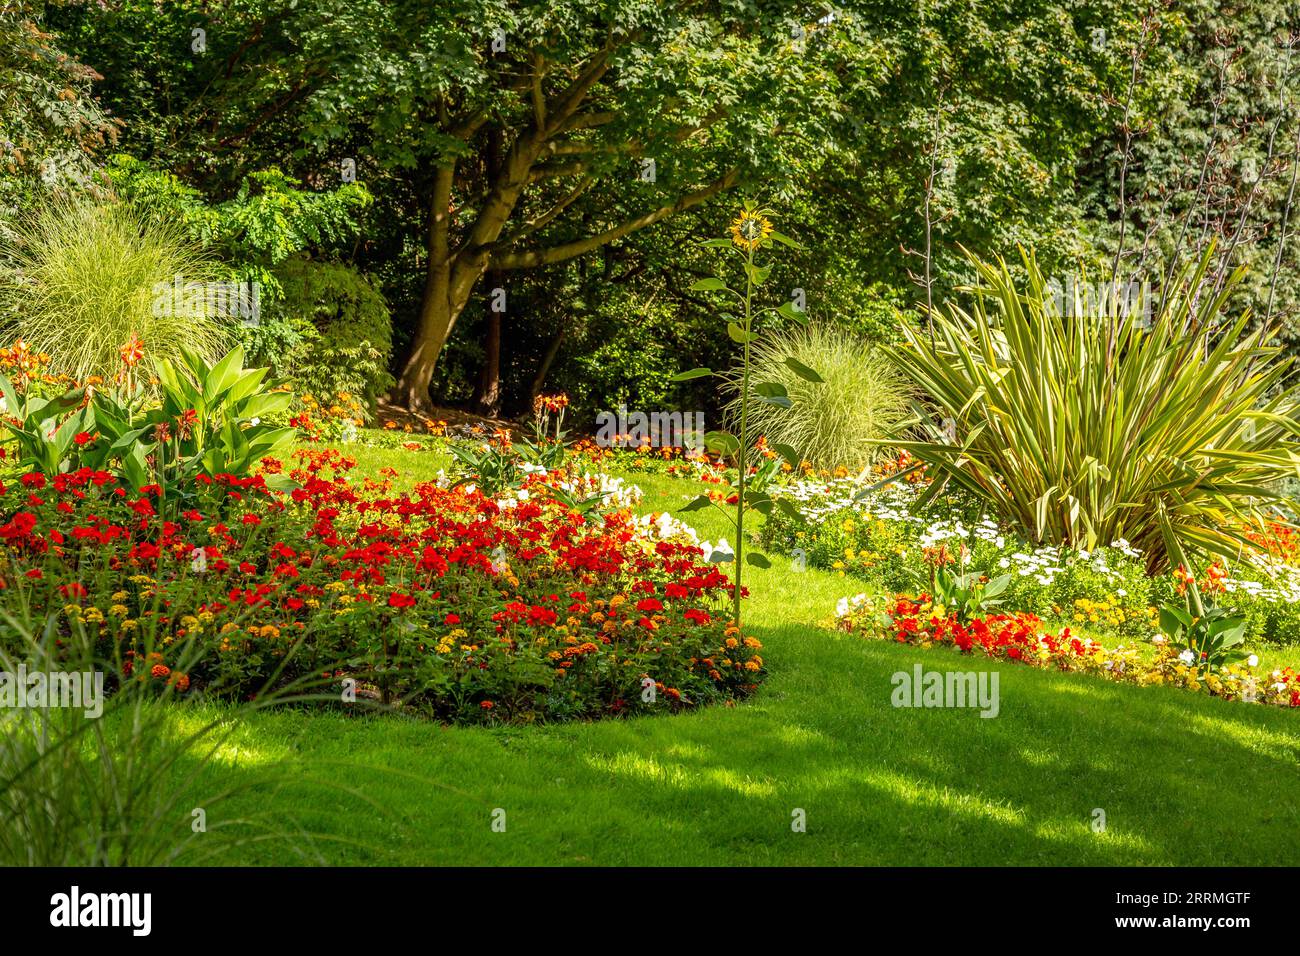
539	257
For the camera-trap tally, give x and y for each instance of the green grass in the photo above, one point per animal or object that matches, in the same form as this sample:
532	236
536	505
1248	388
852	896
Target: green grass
1183	779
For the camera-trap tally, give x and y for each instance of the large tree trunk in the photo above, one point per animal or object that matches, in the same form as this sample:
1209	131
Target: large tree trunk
539	380
436	310
488	396
451	278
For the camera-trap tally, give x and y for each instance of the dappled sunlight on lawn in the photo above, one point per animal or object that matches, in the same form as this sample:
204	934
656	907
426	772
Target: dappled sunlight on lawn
233	744
676	775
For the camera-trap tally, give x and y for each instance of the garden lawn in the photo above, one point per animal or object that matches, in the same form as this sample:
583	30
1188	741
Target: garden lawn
1183	779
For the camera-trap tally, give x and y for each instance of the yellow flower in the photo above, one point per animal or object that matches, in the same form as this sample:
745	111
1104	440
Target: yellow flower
749	230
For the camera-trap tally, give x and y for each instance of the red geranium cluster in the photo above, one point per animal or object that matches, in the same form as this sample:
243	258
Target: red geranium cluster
1017	637
1020	637
436	598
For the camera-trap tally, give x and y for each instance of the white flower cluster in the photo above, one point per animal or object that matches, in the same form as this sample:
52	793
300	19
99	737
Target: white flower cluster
663	527
1283	586
717	553
954	529
617	492
508	499
1047	562
847	605
820	500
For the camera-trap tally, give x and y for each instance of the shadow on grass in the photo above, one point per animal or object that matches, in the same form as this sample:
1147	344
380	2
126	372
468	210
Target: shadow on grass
1181	779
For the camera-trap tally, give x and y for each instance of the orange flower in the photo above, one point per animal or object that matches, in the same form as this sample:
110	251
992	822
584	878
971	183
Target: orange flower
132	352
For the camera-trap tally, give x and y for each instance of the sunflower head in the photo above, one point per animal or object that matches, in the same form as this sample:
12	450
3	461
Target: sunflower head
750	229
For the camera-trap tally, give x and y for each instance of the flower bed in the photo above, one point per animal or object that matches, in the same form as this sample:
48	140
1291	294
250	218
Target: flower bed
882	537
1020	637
440	599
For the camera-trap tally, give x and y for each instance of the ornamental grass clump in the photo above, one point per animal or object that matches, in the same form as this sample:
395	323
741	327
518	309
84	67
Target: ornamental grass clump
1079	427
861	402
83	277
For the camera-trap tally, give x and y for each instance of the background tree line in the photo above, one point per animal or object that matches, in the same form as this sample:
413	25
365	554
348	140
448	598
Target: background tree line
572	154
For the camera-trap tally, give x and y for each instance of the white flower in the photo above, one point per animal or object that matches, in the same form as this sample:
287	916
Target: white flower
716	553
1187	656
1253	660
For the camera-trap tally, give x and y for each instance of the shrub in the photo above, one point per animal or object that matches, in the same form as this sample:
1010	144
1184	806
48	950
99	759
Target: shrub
1084	428
864	398
81	282
345	333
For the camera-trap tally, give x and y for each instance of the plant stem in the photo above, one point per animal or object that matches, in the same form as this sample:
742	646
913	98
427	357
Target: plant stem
744	433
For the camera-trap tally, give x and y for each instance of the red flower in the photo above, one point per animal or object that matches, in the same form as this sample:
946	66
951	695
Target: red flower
399	600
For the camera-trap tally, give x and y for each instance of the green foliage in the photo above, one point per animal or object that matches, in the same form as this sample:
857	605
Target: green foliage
1210	638
83	279
44	428
965	593
345	340
269	218
1086	428
212	420
50	125
842	420
114	783
1216	121
624	355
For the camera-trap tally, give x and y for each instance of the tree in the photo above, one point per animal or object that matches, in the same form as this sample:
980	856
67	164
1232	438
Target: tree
518	111
50	127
